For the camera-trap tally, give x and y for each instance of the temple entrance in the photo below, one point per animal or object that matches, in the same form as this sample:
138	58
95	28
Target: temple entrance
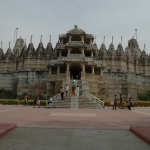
75	72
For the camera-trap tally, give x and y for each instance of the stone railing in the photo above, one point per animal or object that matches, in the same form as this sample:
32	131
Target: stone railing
98	62
95	99
53	61
77	43
56	97
76	56
61	46
89	59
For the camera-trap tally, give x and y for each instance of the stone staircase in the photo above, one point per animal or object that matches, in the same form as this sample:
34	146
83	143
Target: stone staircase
76	102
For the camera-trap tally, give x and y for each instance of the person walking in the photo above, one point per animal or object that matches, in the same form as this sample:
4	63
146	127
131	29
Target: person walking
74	90
26	100
35	101
67	89
77	90
129	103
115	103
62	90
120	106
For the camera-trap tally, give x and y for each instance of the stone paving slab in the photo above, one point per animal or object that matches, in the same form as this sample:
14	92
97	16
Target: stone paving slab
142	132
71	139
6	127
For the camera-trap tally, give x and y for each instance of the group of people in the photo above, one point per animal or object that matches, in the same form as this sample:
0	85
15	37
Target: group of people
75	89
35	100
64	90
127	104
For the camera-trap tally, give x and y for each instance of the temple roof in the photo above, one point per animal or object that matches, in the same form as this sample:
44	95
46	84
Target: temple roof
76	30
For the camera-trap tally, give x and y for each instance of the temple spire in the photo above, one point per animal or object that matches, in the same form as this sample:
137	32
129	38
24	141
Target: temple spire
136	33
112	39
9	44
104	40
1	44
41	39
95	39
50	39
121	40
144	47
31	39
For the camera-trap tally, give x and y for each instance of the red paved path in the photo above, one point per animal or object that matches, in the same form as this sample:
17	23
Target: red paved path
76	118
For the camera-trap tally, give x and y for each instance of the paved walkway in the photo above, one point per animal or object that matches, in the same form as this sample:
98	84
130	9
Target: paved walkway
62	129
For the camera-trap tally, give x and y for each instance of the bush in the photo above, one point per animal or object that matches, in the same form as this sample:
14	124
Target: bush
21	102
145	95
7	94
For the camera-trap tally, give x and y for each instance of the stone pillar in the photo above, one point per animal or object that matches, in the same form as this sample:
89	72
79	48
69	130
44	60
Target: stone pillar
82	38
90	41
91	53
70	36
68	72
59	53
102	71
50	70
69	50
82	50
58	69
83	67
68	65
92	69
61	41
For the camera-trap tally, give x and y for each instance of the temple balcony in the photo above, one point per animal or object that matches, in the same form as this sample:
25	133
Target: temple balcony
75	43
61	46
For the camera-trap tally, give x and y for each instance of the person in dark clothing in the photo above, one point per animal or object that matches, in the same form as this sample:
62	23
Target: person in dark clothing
129	103
115	103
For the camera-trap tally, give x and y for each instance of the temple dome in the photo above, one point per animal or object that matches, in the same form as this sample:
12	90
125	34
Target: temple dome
76	30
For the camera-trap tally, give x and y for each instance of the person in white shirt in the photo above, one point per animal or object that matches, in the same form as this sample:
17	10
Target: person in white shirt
67	89
77	90
50	100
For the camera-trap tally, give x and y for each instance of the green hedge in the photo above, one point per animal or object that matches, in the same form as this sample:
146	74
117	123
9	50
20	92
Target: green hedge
136	103
19	102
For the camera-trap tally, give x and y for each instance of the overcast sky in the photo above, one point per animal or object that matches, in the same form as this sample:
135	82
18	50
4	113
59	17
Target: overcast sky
54	17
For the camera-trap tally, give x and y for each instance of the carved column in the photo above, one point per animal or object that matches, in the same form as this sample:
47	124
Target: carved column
50	70
68	72
58	69
102	71
82	50
70	36
69	50
83	67
82	38
59	53
91	53
92	69
61	41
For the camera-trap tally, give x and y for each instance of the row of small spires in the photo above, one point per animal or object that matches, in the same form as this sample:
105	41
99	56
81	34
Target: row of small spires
58	41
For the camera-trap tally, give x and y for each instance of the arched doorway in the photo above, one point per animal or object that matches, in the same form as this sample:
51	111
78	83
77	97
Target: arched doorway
75	71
